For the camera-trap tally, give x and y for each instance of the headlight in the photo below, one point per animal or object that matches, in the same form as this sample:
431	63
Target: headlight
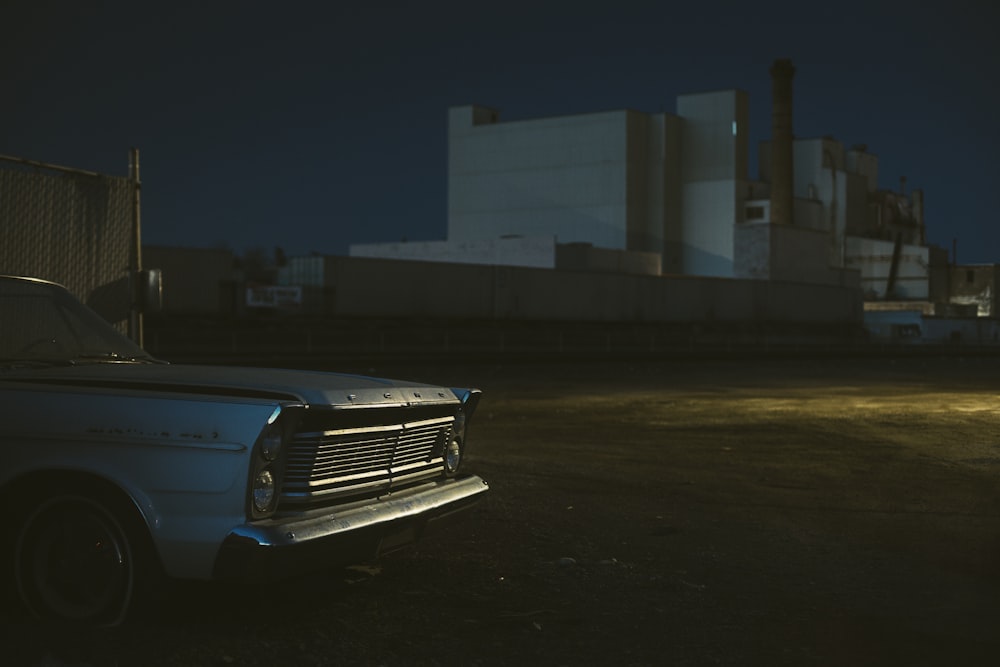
452	456
267	462
271	440
263	491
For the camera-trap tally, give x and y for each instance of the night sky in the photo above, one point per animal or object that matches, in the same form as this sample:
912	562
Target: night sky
313	125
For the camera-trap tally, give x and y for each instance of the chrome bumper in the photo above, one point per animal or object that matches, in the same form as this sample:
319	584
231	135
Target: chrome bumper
338	536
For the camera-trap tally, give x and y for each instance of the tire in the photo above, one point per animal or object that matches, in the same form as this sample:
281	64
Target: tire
77	561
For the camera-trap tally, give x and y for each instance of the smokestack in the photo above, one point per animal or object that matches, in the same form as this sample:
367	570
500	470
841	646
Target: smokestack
782	73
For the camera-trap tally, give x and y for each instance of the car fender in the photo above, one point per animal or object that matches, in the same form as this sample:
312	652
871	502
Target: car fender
184	463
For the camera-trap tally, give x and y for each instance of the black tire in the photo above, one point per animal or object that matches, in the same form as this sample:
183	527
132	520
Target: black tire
77	560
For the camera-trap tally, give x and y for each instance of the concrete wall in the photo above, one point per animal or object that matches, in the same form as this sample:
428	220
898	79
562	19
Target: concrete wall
564	177
708	211
856	205
821	180
391	288
916	327
195	280
873	258
864	164
715	135
304	271
895	324
767	251
585	257
713	177
969	331
536	251
939	275
831	189
673	239
610	179
379	287
800	254
651	186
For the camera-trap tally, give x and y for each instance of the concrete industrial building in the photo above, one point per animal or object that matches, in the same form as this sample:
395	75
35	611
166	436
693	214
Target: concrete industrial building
677	186
622	180
614	180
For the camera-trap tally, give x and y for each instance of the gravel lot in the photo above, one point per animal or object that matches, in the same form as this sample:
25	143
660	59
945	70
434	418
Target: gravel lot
794	512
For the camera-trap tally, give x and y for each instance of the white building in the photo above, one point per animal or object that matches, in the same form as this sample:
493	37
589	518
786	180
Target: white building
621	180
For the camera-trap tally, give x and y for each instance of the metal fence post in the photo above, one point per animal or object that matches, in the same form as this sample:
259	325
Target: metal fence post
135	312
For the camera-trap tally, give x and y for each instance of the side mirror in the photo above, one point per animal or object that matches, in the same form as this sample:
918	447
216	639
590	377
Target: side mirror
150	285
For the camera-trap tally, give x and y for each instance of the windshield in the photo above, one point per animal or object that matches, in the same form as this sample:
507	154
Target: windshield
42	322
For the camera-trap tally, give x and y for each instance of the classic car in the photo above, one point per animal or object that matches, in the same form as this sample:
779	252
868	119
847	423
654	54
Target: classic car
122	471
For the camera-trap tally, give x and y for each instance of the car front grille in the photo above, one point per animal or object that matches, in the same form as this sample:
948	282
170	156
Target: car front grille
333	465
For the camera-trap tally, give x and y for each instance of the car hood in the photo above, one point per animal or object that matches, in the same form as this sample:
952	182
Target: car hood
309	387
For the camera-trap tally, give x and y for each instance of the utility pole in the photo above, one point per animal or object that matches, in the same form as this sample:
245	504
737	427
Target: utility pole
135	279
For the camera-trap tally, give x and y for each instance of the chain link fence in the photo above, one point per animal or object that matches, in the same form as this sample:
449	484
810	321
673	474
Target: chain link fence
71	227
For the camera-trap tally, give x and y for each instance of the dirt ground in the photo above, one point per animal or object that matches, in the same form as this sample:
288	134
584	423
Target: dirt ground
794	512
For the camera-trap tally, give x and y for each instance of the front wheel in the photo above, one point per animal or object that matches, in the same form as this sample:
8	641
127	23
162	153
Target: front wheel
75	562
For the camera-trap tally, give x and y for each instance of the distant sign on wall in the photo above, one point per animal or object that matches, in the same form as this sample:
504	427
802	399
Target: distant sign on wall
274	296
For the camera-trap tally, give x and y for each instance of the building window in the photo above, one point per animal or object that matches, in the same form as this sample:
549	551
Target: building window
755	212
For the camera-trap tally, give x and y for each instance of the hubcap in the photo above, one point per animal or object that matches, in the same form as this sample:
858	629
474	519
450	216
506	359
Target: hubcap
74	563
